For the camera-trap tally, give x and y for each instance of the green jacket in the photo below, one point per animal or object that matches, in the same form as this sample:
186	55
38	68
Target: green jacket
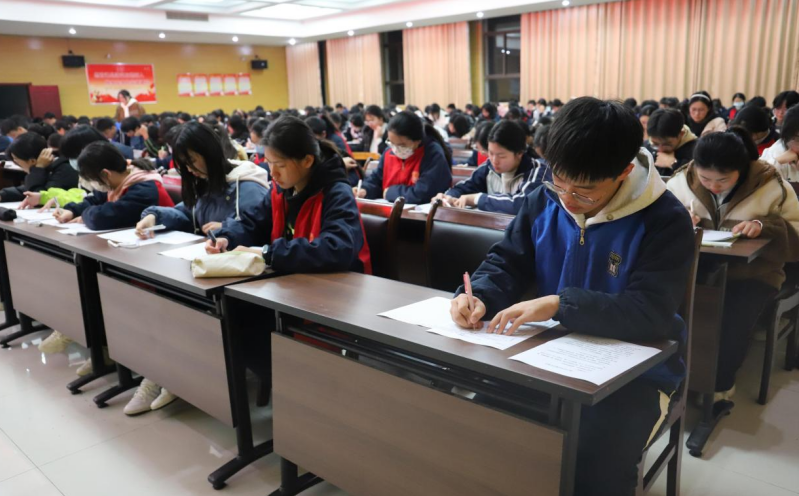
72	195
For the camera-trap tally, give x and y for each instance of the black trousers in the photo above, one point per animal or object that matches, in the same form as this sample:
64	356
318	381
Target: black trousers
744	301
613	435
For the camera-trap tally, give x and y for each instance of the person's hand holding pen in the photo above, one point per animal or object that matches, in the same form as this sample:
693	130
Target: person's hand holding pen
466	310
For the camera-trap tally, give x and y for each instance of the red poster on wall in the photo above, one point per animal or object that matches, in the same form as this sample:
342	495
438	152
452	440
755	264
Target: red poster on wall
200	85
105	81
185	86
245	87
231	85
215	85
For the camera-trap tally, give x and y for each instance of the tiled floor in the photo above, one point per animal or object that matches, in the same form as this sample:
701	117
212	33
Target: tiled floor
53	443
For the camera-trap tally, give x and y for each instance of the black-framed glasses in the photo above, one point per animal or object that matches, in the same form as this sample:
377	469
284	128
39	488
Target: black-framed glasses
560	191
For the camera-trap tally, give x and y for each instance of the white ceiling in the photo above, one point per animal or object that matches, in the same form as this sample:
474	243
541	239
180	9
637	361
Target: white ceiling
252	22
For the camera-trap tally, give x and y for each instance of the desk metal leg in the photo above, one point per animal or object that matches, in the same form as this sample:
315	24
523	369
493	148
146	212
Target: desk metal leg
291	483
26	327
126	381
712	413
570	422
232	325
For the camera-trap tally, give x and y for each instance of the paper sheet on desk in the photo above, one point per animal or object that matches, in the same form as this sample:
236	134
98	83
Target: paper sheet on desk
381	201
723	239
34	214
78	229
434	314
10	205
592	359
169	238
186	252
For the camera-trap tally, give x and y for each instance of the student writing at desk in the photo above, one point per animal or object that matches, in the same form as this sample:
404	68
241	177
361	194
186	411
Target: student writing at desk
727	187
416	166
45	170
609	250
501	183
216	191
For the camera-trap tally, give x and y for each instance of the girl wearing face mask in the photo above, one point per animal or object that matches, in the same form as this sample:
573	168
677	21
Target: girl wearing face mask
45	171
738	102
784	153
701	117
120	191
417	165
309	222
727	187
501	183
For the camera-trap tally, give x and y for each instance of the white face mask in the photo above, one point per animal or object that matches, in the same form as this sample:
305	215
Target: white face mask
738	105
74	163
402	152
93	186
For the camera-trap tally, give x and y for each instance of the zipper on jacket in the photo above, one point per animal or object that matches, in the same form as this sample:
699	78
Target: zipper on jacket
582	237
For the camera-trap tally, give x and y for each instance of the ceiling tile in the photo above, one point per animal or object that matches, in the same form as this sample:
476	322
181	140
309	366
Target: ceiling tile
293	12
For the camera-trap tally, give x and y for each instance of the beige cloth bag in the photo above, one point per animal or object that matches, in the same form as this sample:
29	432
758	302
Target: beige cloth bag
230	264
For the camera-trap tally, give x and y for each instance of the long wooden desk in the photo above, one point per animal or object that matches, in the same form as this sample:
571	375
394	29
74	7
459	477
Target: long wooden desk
410	436
706	334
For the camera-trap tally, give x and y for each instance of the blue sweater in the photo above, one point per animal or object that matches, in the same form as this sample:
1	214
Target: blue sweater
99	214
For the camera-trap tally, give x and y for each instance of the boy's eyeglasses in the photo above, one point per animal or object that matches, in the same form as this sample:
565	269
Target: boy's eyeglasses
560	191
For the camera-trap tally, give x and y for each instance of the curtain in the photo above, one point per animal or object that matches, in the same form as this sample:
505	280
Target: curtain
650	49
305	82
436	65
354	71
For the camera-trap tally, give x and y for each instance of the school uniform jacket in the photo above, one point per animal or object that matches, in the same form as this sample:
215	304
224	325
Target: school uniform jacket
682	155
59	174
489	185
248	185
789	171
620	274
98	213
327	235
418	178
761	195
476	159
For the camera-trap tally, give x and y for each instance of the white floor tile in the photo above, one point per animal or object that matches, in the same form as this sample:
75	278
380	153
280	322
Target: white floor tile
31	483
12	461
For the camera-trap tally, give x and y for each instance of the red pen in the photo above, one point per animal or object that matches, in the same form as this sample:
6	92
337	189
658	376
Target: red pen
467	283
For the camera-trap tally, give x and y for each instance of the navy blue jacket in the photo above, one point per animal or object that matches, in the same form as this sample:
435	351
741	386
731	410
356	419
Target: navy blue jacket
530	175
126	151
625	282
99	214
435	176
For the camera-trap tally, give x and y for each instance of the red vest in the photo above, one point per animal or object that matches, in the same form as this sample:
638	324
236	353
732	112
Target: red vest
346	145
481	158
309	223
401	172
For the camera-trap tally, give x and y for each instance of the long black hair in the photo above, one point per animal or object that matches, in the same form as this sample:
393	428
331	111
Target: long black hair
726	152
293	138
509	135
200	139
412	127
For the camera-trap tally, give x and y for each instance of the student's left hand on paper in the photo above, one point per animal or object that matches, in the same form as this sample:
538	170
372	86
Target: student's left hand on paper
257	251
665	160
350	163
45	158
219	247
64	216
31	200
211	226
538	310
748	229
146	222
465	201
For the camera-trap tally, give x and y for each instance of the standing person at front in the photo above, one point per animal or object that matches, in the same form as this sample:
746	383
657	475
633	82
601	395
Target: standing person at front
128	107
417	165
727	187
609	250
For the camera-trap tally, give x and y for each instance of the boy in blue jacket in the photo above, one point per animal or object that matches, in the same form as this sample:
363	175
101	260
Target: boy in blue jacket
609	250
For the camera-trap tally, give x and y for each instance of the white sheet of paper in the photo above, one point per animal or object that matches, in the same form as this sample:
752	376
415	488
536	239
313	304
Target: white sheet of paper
78	229
10	205
382	201
169	238
186	252
425	209
434	314
711	236
34	214
592	359
55	223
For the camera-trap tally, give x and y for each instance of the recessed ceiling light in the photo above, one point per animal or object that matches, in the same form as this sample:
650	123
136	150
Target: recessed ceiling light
72	31
292	41
565	3
409	24
235	39
351	32
480	15
161	35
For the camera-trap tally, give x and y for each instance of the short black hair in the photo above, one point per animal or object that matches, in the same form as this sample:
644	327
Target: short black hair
259	128
356	120
739	95
490	108
752	118
317	125
730	151
130	124
509	135
557	103
54	141
13	123
461	123
62	124
790	98
27	146
97	156
481	133
541	138
78	138
513	114
757	100
665	123
541	101
49	115
184	116
104	124
790	125
631	102
593	140
375	111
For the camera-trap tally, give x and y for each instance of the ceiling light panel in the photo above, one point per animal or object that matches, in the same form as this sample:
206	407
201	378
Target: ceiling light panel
291	12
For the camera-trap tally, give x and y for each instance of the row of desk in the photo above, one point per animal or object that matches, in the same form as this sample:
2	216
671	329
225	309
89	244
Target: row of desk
404	432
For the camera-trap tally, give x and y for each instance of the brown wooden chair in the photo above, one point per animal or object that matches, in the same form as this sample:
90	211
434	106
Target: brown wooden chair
363	156
381	225
458	240
461	156
460	173
674	423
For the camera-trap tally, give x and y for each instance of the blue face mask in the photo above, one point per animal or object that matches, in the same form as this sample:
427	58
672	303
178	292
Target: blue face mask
74	163
259	149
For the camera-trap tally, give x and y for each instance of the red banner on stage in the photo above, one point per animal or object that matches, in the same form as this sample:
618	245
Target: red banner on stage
107	80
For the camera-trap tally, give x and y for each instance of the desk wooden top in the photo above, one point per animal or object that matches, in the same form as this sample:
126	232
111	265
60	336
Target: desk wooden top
144	261
743	249
351	302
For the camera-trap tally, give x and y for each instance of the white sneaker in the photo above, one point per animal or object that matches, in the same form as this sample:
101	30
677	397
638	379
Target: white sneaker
163	399
85	369
724	395
54	343
143	398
